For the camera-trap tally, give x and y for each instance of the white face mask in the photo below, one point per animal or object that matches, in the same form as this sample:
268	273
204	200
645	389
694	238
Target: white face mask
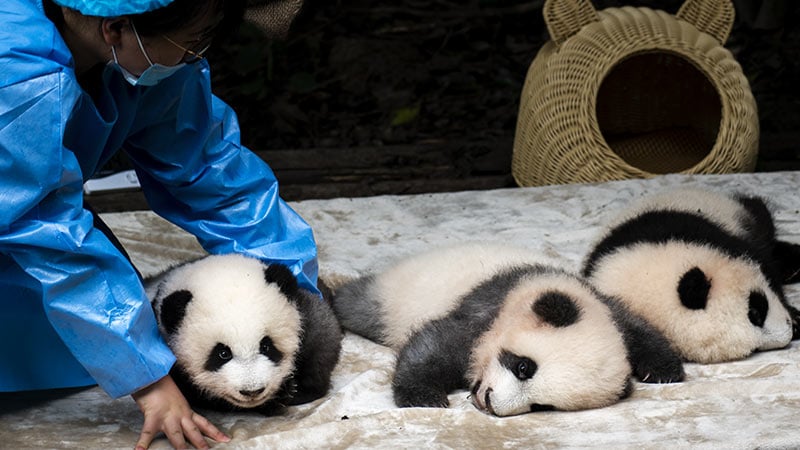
152	75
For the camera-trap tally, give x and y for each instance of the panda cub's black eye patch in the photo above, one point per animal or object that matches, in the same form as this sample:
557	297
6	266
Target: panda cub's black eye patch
269	350
758	308
522	367
218	357
556	309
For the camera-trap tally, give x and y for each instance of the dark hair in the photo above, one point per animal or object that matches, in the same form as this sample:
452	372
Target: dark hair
53	12
227	15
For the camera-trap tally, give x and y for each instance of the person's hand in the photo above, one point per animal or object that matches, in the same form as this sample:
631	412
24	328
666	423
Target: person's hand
166	410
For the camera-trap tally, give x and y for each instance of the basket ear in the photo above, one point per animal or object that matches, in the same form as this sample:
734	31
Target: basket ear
714	17
273	17
564	18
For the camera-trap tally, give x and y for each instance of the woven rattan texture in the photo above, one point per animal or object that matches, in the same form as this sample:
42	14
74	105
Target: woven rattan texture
708	125
566	17
714	17
273	17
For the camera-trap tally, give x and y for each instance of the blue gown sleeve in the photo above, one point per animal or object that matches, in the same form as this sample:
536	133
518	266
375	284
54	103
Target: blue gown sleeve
91	294
196	174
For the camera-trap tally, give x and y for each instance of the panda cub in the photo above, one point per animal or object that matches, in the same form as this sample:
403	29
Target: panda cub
245	335
522	335
705	269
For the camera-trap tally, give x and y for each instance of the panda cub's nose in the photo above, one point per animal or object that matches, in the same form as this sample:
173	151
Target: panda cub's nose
251	393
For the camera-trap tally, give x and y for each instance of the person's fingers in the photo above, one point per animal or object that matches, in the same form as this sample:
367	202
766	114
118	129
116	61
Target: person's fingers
146	436
193	434
174	431
208	428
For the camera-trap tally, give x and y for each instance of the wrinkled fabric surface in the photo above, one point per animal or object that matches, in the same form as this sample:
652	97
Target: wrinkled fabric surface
744	404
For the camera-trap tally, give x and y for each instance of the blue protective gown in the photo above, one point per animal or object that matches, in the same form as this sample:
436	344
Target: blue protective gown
72	309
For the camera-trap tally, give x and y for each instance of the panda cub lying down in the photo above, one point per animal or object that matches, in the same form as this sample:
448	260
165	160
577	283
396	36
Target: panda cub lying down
523	336
703	267
244	334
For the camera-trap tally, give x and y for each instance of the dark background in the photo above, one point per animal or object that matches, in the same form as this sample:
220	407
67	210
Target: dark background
407	96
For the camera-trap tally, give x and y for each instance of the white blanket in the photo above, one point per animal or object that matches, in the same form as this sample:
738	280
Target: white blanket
745	404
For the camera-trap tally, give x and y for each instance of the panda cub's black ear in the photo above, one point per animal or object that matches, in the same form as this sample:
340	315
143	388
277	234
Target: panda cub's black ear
173	309
556	309
283	277
788	256
693	289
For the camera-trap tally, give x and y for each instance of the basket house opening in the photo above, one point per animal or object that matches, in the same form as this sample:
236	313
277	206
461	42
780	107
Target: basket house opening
659	112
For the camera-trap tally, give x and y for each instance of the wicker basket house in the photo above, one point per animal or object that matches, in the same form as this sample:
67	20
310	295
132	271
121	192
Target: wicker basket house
632	93
274	17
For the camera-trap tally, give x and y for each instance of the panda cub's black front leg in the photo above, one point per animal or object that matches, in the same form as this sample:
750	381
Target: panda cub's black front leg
431	365
319	350
650	353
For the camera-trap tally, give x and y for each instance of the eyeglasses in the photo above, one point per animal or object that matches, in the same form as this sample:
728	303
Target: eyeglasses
189	56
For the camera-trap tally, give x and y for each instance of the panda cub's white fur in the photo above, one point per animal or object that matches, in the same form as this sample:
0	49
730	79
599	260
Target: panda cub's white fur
444	275
704	268
524	336
244	335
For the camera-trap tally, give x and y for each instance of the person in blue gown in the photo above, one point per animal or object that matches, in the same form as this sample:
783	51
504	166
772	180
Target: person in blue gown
79	81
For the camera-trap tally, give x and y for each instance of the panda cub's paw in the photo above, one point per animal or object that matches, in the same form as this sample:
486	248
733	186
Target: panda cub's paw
656	361
419	395
663	368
